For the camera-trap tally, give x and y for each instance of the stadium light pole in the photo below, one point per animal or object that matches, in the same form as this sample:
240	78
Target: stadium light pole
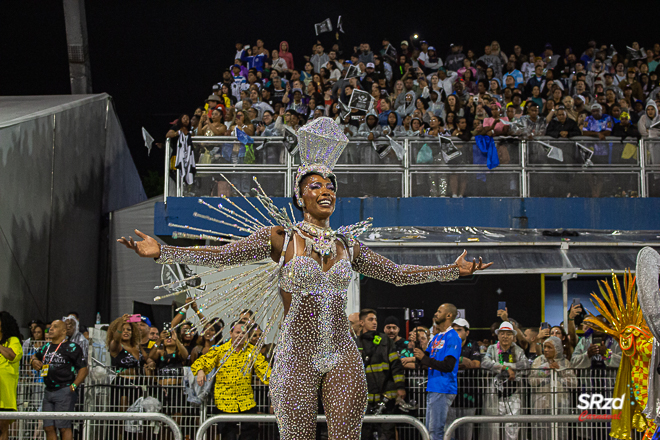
78	50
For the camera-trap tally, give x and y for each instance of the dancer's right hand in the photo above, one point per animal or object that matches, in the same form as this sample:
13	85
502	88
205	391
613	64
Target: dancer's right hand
148	247
201	378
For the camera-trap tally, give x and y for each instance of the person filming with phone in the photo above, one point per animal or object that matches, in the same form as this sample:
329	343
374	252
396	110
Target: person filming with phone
63	369
596	350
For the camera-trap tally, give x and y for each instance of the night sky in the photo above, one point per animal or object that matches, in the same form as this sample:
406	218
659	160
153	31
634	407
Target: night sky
158	59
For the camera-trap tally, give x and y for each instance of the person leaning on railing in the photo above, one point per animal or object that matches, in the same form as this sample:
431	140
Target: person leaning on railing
562	126
11	353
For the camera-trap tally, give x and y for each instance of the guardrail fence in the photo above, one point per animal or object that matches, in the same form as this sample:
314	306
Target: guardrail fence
542	167
542	392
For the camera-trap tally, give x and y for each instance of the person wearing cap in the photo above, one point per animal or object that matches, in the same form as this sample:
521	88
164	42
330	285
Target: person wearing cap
598	124
63	367
508	362
441	359
369	76
433	61
145	326
454	60
468	397
384	372
405	49
423	55
297	103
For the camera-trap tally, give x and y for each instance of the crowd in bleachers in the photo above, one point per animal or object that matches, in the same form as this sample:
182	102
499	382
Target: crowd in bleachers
419	89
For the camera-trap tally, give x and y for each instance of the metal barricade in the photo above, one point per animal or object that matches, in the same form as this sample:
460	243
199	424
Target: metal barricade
106	416
537	392
541	167
251	418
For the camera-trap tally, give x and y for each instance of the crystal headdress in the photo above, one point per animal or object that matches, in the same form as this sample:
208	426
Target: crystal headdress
320	143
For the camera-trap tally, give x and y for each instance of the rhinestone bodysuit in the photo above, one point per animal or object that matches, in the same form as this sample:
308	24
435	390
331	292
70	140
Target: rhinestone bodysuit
315	350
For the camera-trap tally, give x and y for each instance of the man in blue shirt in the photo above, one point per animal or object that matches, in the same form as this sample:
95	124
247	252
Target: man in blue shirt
441	358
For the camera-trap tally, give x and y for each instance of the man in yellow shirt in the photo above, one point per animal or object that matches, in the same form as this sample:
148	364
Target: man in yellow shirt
233	390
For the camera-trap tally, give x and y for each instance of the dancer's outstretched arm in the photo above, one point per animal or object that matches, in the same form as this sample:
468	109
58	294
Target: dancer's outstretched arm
253	248
371	264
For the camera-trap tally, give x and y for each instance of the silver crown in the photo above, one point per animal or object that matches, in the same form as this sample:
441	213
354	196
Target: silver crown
320	143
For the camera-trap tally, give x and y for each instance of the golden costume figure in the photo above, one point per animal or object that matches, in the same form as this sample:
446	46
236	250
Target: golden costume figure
627	325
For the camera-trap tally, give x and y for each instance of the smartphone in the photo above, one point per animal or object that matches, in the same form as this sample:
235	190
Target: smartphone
134	318
576	301
597	340
501	305
544	325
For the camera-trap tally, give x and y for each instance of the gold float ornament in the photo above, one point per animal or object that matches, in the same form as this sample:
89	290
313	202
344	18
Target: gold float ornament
626	323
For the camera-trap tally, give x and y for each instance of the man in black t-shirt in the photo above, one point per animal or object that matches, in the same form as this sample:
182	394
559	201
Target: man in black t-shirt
467	399
63	369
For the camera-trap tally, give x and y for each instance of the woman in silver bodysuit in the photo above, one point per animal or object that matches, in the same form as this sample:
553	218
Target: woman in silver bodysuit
315	349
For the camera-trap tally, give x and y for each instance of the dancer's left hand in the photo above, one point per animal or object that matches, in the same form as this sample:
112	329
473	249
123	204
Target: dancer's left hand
468	268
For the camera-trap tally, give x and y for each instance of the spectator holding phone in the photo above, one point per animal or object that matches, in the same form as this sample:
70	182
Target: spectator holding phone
63	368
596	350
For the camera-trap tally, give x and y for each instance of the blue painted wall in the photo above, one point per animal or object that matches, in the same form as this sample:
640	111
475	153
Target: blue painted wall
543	213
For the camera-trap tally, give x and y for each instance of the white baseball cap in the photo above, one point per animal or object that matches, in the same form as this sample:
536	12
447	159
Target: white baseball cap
462	322
371	65
506	325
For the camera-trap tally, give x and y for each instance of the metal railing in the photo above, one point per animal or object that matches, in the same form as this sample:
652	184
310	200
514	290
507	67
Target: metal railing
528	168
536	392
201	432
451	430
105	416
